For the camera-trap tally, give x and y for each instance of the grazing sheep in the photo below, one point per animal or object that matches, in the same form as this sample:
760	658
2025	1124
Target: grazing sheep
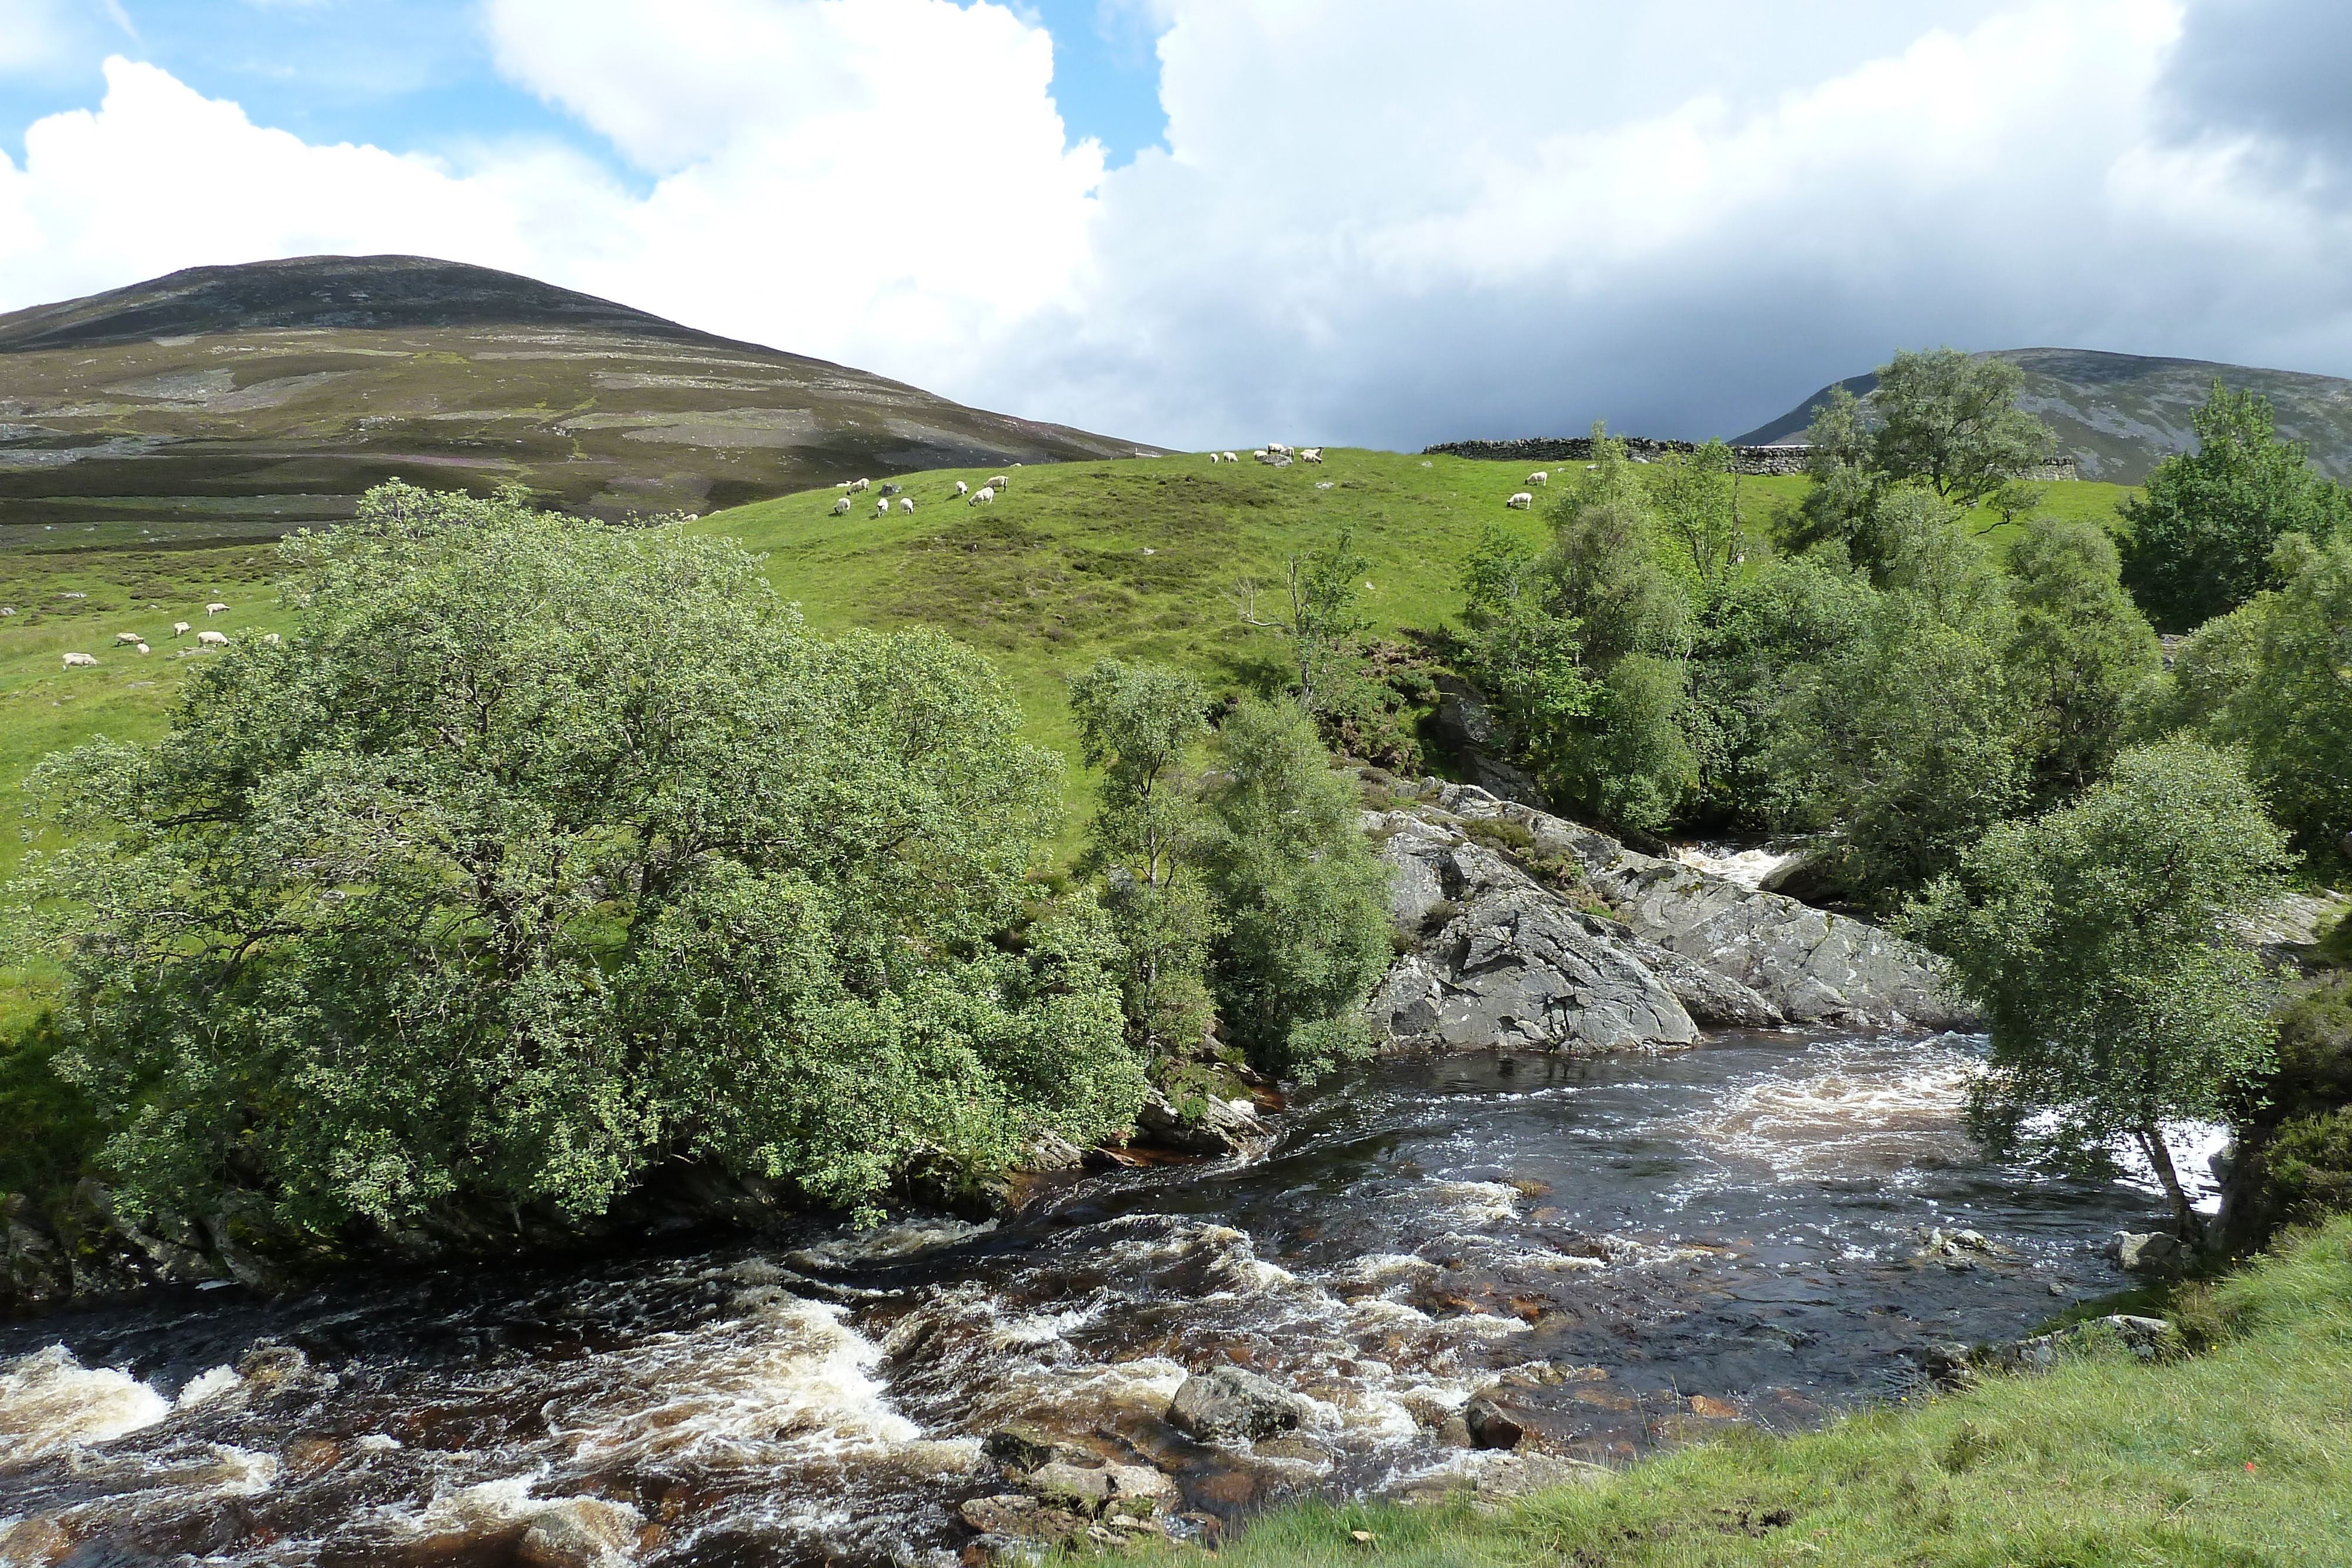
906	503
75	661
1540	477
984	497
857	485
1259	454
841	505
120	637
962	488
1216	458
145	649
1520	502
1310	454
179	628
215	608
211	639
1277	446
1000	483
1230	458
882	507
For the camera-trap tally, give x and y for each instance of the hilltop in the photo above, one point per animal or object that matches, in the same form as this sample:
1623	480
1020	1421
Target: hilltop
239	401
2117	414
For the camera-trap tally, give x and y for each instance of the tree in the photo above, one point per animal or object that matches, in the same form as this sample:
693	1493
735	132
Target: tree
2202	532
1695	497
1139	724
1304	899
1324	620
1845	478
2082	652
1950	421
544	852
2099	940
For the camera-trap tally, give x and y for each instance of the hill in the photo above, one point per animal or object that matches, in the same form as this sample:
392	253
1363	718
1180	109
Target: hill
239	402
2115	414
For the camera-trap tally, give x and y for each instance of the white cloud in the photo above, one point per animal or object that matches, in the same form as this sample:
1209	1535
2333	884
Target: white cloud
1368	224
34	35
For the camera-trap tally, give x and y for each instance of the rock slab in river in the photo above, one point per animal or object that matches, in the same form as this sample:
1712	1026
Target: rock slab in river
1228	1403
1499	957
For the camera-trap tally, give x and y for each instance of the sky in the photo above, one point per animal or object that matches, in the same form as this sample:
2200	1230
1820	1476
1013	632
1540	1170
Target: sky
1217	222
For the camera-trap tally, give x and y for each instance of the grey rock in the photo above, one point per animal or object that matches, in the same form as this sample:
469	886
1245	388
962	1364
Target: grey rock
2144	1252
1488	1427
2146	1339
1067	1486
582	1533
1228	1403
1221	1128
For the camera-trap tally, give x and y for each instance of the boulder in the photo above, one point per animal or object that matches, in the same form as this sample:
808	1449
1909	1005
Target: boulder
1488	1427
2146	1339
2144	1252
1229	1404
1218	1127
580	1533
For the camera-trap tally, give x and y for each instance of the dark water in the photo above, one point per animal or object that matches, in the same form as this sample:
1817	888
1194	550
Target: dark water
1643	1249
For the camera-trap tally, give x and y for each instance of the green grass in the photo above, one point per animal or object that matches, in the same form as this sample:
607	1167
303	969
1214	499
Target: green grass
2237	1458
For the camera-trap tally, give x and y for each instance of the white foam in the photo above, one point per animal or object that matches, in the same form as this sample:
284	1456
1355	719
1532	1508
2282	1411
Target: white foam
49	1402
1749	868
209	1386
1479	1202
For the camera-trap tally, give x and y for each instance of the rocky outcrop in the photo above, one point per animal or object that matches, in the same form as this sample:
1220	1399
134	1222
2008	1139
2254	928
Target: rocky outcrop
1652	953
1229	1404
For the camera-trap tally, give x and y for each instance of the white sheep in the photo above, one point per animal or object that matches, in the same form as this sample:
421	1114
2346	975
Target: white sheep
1310	454
211	639
215	608
1230	458
984	497
857	485
145	649
75	661
1259	454
962	488
1540	477
1216	458
1001	484
882	507
907	503
121	637
179	628
1520	502
1277	446
841	507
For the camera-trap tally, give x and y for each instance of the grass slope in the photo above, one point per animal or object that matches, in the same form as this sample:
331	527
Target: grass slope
2239	1457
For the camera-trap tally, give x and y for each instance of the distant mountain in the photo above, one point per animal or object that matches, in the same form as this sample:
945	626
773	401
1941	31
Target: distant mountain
242	401
2115	414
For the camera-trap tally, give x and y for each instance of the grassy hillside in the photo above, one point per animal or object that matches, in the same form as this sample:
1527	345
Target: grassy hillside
2239	1458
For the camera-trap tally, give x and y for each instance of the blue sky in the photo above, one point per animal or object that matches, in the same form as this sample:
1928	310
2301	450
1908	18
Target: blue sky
1386	222
416	75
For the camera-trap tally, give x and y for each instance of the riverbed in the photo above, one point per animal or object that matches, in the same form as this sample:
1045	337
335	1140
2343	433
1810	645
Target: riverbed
1625	1254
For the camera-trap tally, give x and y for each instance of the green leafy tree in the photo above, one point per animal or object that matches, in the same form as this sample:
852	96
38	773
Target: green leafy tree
1696	500
2099	940
1141	725
1528	658
1845	477
2203	529
543	852
1324	620
1304	899
1950	421
2082	652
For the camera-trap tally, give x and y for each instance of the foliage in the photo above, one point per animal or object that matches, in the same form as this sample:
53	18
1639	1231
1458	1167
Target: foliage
1845	478
1950	420
1324	618
2096	940
543	850
2202	532
1695	497
1304	899
2082	652
48	1127
2209	1460
1633	765
2271	678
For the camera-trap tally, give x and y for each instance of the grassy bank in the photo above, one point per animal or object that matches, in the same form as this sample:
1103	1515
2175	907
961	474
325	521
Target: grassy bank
2239	1457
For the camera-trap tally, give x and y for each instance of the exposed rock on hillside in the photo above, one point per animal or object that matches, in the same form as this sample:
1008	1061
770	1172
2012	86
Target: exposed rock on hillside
1657	952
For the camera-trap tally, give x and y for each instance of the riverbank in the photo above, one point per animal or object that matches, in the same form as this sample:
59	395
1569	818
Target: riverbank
2240	1454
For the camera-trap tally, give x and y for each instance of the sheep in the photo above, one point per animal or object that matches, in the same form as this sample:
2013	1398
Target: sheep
215	608
857	485
1520	502
962	488
1310	454
1540	477
907	503
1230	458
1259	454
179	628
841	507
882	507
984	497
1001	484
7	610
211	639
76	661
1277	446
1216	458
122	637
145	649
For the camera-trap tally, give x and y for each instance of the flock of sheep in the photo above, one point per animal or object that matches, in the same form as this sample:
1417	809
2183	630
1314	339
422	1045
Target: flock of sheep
178	629
984	497
1274	454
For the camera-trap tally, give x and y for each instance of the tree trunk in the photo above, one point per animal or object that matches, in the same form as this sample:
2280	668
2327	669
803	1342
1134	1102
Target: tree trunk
2187	1223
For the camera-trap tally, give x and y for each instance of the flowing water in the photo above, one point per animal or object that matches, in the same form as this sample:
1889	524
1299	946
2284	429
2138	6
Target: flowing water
1643	1249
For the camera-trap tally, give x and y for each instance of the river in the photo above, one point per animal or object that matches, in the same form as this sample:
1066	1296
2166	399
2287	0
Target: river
1646	1249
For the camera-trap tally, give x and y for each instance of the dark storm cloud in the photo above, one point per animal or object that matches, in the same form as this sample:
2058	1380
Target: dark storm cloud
2279	69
